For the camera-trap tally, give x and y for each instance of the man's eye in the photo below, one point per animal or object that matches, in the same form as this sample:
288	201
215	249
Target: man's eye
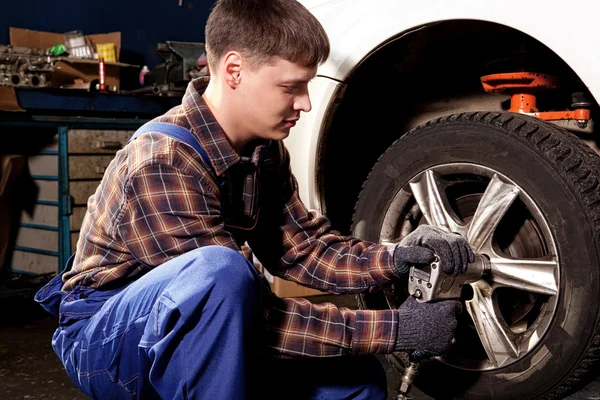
291	89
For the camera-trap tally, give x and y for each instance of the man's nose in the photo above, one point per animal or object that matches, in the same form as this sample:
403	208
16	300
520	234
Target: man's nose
302	103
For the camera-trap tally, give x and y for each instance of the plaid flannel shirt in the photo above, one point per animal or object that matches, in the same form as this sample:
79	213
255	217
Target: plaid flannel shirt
158	199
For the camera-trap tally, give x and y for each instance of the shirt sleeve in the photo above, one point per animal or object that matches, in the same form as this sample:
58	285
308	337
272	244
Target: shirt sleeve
297	244
298	328
170	212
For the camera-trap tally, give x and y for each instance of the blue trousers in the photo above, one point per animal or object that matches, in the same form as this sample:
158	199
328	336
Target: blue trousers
189	330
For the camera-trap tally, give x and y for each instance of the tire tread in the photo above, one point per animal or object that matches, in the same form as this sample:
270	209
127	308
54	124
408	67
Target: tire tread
579	164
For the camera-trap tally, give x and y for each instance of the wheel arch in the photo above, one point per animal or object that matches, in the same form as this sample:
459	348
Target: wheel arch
427	72
357	29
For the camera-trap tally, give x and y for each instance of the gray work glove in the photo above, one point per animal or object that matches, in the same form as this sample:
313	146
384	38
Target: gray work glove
453	250
426	329
407	256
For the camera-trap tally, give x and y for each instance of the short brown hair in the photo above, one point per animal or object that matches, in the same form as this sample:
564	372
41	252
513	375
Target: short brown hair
264	29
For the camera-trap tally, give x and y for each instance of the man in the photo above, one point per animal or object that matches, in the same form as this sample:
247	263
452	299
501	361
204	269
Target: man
161	300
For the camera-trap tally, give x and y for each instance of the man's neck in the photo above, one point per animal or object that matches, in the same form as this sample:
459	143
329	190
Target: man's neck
225	116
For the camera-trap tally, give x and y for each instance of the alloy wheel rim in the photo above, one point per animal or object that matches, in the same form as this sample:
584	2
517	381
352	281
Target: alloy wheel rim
510	309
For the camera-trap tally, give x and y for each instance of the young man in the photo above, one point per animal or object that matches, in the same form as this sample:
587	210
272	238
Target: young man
161	300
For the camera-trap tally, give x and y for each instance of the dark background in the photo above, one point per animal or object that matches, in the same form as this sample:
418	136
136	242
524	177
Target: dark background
142	24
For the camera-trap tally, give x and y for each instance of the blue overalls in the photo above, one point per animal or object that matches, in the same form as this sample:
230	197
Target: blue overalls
187	330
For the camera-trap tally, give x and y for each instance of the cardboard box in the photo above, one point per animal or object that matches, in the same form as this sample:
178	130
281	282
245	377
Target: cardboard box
283	288
10	168
8	99
73	72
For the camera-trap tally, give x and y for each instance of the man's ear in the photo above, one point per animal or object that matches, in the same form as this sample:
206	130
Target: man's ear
233	62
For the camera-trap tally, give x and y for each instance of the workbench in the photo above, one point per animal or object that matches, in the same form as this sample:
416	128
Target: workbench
67	138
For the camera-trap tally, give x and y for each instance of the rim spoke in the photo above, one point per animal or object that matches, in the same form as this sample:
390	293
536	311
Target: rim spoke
494	203
537	275
433	203
498	340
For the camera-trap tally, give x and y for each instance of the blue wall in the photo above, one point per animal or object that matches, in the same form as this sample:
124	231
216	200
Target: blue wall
142	23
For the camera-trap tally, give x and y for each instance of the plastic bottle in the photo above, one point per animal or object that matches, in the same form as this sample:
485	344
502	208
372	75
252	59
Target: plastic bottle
143	72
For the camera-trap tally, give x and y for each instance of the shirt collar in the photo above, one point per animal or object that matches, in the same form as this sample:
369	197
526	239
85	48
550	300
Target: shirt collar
206	128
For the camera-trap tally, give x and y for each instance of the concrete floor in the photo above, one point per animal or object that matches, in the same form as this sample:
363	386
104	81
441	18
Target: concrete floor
29	369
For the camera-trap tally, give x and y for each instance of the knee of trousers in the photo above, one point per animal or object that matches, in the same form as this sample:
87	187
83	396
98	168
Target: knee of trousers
222	271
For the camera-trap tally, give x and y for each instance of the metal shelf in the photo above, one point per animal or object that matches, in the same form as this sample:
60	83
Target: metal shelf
60	111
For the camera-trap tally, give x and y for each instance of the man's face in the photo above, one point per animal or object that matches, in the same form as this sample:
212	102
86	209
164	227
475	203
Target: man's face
272	97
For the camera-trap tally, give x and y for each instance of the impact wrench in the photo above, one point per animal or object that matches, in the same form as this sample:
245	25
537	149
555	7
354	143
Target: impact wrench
430	283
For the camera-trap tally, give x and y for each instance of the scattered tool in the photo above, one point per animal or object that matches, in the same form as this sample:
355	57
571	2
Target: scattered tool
430	283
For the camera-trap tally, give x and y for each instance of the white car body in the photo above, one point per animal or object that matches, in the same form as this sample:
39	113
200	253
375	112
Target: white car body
357	28
401	131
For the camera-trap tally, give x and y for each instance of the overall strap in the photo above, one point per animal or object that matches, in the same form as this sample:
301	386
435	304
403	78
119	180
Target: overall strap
176	132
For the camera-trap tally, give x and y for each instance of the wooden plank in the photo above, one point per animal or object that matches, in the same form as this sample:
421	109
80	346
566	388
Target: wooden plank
82	190
88	167
41	215
47	190
43	165
77	217
97	141
37	239
34	263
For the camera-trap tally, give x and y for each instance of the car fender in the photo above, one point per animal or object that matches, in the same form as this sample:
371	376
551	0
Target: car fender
357	28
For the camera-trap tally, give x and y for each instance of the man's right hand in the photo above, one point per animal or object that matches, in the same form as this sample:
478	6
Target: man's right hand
427	328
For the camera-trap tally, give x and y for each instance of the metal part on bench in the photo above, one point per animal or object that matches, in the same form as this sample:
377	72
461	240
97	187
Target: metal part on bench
181	65
24	66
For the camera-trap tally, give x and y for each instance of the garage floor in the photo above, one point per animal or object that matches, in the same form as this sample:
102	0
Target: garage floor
29	369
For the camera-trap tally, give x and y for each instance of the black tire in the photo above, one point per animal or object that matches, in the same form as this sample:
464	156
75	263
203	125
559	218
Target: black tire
561	175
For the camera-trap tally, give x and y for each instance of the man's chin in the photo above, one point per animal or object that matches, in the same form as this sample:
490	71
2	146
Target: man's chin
281	134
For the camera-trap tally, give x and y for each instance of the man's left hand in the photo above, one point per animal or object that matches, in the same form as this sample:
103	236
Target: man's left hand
452	249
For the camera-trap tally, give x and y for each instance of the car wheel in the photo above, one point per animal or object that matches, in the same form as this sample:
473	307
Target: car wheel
525	194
